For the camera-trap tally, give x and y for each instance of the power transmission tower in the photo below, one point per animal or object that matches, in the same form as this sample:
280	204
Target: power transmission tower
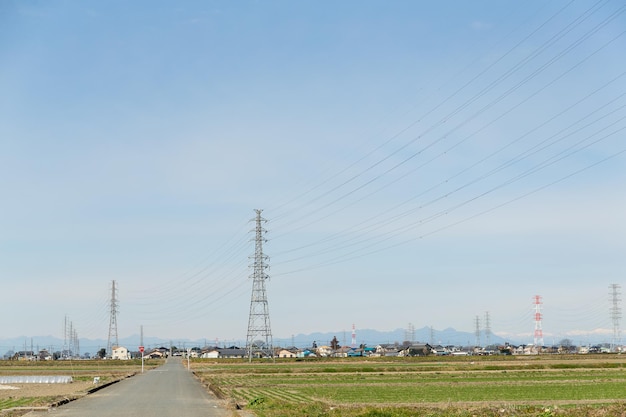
113	340
65	344
71	346
477	331
75	343
538	340
616	314
409	334
72	340
487	328
259	341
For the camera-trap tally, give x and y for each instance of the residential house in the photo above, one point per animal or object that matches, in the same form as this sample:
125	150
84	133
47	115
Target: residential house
417	349
210	353
24	355
306	353
232	353
324	351
388	350
342	352
120	352
155	354
284	353
44	355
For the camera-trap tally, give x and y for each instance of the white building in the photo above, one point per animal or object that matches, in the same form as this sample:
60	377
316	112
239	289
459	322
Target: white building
120	352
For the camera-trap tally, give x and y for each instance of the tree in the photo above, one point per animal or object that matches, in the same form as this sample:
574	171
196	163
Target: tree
102	353
334	344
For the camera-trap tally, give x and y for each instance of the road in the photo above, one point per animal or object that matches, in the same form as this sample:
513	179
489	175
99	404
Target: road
169	390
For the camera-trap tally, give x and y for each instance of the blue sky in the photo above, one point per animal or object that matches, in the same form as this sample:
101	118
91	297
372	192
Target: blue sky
417	162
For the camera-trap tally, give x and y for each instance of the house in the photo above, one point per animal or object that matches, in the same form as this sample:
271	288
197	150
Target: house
24	355
324	351
120	352
417	349
44	355
155	354
284	353
210	353
306	353
355	352
342	352
440	350
232	353
388	350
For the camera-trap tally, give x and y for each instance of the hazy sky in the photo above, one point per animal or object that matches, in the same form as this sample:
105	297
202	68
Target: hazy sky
417	162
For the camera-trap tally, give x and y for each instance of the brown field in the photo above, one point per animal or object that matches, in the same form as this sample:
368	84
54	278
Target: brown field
243	384
19	399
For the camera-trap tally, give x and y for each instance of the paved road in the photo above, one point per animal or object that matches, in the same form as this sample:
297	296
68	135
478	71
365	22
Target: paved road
169	390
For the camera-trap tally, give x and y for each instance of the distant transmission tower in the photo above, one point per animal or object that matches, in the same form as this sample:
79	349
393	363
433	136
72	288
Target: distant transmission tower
64	352
113	340
487	329
259	341
409	334
353	345
616	314
477	331
538	317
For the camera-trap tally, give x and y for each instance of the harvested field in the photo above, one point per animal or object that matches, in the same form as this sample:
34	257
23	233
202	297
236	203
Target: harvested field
18	399
384	387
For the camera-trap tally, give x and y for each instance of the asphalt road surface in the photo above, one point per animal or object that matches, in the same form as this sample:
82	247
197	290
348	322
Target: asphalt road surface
169	390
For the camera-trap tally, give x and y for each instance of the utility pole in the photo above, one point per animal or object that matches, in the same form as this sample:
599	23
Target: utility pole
113	340
259	329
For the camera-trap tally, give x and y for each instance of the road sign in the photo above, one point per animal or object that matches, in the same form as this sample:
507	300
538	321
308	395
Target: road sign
141	349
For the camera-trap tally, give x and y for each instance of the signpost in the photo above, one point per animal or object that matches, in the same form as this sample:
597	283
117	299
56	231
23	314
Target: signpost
141	350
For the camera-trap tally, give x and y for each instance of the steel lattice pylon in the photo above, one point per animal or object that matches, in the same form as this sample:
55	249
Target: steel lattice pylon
259	341
616	314
113	340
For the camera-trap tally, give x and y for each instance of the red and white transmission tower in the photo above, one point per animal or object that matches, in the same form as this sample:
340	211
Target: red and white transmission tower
353	336
538	317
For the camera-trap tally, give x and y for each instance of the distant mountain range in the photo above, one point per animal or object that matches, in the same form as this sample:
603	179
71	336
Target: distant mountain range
372	337
368	337
364	336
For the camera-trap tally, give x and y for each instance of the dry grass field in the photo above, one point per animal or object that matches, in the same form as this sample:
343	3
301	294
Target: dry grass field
541	386
18	399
